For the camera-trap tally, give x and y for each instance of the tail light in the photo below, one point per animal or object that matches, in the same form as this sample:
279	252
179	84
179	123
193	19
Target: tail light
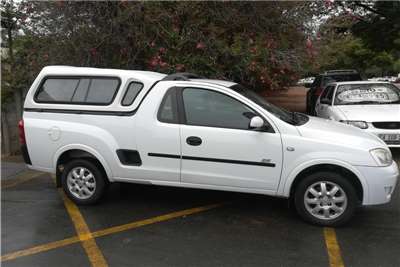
318	91
22	140
21	129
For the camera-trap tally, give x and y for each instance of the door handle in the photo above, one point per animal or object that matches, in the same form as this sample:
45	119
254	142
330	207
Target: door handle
193	141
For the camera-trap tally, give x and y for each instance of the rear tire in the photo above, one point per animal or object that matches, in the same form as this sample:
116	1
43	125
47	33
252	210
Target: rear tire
326	199
83	181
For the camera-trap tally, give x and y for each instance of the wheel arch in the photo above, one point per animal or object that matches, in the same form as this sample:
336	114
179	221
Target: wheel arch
354	176
69	152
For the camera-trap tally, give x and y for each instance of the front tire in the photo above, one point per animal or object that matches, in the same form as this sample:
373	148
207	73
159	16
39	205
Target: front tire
325	198
83	181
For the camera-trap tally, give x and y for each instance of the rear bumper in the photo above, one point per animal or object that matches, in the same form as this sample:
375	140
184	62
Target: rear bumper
25	154
381	182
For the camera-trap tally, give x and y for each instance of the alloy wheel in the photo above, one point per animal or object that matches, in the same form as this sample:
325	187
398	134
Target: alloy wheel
325	200
81	183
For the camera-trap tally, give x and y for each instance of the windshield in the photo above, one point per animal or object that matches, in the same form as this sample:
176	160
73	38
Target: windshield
360	94
293	118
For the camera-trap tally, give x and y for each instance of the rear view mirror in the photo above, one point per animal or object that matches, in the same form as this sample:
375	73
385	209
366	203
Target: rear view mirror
256	122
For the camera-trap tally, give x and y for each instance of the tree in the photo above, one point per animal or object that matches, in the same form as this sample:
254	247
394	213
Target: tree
352	37
380	21
260	44
384	61
9	24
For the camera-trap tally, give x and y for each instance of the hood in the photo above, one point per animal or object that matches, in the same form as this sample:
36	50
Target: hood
371	113
339	133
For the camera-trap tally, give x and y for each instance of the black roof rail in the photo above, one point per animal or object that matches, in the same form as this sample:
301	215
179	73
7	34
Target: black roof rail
182	76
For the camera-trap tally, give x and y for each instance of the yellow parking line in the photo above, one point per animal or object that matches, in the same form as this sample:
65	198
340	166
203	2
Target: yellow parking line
332	246
20	178
96	257
104	232
40	248
153	220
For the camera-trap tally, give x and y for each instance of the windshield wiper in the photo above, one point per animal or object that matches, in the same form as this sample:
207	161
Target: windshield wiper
369	102
377	102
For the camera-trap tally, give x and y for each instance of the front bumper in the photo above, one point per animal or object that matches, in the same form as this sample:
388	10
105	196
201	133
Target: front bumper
381	182
379	132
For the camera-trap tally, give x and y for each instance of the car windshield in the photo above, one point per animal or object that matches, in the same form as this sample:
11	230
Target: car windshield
293	118
360	94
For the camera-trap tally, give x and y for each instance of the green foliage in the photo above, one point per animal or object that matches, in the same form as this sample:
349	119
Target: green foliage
396	66
366	38
352	53
261	44
265	45
346	52
380	28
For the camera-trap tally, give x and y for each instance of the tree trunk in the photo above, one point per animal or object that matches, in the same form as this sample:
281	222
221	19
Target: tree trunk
5	134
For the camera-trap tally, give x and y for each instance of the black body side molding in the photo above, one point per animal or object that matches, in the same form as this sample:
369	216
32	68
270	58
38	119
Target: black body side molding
243	162
164	155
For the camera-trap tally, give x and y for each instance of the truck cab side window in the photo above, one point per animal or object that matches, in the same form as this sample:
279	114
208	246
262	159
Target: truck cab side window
210	108
168	111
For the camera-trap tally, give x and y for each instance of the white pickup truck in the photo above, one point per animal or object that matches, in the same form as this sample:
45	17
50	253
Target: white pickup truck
95	126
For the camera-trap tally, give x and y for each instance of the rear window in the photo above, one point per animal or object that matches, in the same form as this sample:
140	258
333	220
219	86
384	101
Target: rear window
341	78
78	90
131	93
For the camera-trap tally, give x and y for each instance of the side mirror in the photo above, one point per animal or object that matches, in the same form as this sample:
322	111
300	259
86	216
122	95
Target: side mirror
256	122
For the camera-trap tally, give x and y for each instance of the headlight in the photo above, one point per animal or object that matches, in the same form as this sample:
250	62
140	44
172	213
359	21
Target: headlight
359	124
383	157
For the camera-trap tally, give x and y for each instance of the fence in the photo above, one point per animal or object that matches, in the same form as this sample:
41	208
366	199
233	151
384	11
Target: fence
293	99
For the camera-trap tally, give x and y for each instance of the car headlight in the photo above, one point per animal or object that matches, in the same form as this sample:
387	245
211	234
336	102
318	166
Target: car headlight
359	124
383	157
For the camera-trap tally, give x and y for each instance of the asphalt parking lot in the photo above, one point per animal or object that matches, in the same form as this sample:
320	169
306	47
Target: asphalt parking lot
138	225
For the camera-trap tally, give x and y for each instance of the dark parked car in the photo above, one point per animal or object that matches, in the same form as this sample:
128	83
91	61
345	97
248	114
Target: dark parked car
324	79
